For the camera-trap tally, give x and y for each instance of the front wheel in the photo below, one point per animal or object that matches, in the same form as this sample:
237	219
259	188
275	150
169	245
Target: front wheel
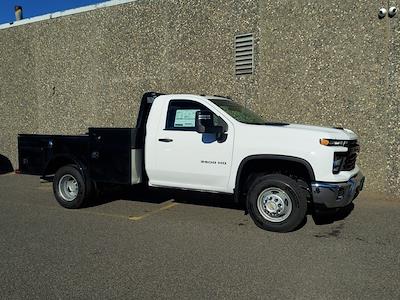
70	187
276	203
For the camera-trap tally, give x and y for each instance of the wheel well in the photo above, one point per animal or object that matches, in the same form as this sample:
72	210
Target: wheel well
292	167
59	162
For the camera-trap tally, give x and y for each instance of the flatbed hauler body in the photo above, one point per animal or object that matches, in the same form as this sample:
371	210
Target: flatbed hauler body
206	143
107	155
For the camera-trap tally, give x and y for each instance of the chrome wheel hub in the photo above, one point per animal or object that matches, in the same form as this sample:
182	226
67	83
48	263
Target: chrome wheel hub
68	187
274	204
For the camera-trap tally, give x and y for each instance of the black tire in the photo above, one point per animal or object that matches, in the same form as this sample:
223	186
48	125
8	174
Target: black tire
81	188
264	187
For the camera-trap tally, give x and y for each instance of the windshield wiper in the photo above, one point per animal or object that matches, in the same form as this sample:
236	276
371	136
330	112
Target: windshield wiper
276	124
254	123
267	123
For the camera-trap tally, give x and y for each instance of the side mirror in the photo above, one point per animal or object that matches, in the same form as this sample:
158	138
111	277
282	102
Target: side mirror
204	123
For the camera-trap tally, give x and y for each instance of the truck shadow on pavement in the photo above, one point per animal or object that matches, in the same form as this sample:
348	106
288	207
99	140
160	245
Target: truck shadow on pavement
5	165
152	195
332	216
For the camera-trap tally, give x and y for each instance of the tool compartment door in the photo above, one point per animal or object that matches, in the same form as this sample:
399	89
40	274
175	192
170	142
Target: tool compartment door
111	154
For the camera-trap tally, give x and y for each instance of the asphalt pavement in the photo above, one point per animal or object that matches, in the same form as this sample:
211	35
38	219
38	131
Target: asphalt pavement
163	244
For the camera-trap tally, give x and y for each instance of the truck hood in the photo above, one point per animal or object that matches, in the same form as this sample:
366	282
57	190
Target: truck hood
303	131
325	132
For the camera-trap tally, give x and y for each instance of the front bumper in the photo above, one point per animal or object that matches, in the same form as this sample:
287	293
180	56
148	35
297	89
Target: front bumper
335	195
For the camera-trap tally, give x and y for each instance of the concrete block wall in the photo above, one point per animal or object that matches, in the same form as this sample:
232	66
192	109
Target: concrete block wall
316	62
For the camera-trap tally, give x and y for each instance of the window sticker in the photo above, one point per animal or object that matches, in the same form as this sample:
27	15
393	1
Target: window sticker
185	117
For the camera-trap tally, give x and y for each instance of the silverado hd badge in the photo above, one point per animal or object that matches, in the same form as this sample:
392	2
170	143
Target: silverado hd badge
213	162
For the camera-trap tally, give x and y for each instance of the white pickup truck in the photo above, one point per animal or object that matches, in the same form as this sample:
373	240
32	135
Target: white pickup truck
205	143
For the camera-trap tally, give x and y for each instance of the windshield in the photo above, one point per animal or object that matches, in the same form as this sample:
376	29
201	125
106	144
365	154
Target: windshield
238	112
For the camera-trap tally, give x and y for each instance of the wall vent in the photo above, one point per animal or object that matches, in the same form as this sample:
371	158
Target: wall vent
244	54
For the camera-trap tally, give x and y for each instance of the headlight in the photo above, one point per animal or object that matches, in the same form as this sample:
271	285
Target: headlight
328	142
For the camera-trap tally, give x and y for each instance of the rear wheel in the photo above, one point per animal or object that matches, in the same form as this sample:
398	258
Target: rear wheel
70	187
276	203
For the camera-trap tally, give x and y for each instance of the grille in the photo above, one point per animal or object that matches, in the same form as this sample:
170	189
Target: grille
351	156
244	54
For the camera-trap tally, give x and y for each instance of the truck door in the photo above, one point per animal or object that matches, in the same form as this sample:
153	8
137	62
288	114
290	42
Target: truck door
187	159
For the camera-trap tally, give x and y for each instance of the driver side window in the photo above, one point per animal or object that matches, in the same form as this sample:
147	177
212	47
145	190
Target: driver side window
182	113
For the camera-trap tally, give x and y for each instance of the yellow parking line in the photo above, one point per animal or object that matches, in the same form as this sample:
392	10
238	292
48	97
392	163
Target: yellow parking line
138	218
8	174
168	206
133	218
44	187
95	213
60	209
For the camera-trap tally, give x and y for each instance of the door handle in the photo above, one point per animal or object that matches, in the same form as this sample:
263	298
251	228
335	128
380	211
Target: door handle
165	140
